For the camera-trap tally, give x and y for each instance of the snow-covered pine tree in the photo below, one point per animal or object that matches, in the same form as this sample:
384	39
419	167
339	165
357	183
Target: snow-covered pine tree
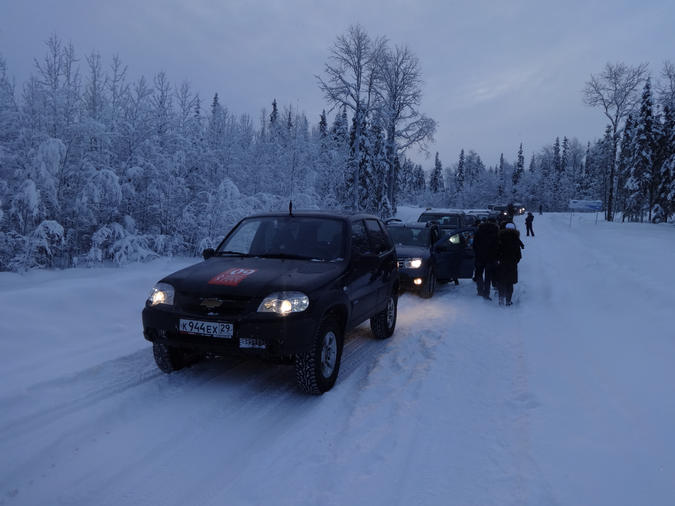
501	179
642	181
359	176
436	184
665	197
377	191
419	182
518	175
624	164
459	179
340	157
565	180
556	176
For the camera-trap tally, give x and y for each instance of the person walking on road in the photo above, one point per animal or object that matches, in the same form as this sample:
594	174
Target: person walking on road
528	224
485	251
508	254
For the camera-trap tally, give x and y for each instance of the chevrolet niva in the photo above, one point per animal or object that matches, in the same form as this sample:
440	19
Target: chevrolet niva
282	286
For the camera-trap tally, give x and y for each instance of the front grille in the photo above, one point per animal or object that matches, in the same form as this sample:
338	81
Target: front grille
195	304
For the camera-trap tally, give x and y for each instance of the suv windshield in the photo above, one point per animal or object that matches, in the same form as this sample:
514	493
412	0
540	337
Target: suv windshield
444	220
287	237
405	236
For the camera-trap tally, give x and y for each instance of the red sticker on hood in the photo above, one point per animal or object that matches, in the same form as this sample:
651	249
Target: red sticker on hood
231	277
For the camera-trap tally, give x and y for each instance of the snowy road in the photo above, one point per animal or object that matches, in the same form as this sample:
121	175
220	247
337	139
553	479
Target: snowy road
566	398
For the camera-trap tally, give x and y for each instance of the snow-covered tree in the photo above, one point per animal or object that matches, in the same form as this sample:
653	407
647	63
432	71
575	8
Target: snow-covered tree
436	180
615	91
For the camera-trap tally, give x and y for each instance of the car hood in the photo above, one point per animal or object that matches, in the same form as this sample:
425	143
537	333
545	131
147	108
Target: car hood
411	251
253	277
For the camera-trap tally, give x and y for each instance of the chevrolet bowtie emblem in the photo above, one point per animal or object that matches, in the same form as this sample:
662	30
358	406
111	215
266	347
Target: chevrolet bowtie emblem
210	303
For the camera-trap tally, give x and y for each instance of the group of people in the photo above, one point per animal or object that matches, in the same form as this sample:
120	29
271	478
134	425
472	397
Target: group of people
497	249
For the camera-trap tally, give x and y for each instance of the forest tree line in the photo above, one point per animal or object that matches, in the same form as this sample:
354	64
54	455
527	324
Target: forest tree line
97	167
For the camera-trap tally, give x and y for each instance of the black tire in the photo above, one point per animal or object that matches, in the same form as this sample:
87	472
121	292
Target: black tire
384	322
317	370
429	287
168	358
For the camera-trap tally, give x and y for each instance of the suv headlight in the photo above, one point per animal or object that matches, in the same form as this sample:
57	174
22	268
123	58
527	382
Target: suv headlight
284	303
162	293
412	263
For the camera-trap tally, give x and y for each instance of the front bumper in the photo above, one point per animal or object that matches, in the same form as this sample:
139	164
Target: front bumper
407	278
270	335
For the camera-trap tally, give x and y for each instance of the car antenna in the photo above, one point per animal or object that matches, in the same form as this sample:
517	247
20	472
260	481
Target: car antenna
290	208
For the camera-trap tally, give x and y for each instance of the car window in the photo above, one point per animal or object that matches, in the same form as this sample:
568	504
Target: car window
445	220
299	236
407	236
425	217
360	242
378	237
240	241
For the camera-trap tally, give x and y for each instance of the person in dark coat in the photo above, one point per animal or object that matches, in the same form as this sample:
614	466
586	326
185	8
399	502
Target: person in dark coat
528	224
508	254
485	251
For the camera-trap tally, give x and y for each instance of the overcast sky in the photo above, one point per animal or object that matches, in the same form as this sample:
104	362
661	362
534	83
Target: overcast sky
496	72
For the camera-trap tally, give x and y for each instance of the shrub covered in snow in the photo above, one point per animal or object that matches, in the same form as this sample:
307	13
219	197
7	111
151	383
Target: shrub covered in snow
113	243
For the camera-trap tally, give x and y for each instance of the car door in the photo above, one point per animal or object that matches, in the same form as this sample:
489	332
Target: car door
454	255
386	262
358	285
467	256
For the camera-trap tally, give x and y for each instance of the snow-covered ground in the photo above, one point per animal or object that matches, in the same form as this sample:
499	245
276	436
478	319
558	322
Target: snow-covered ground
565	398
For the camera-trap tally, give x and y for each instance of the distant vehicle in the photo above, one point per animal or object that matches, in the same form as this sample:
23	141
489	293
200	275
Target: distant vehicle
279	286
447	219
427	254
481	214
519	208
501	212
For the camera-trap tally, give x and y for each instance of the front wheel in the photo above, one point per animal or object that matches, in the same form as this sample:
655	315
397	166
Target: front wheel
168	358
430	286
317	370
384	322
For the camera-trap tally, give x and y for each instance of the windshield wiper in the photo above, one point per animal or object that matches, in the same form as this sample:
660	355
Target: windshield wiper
284	256
237	253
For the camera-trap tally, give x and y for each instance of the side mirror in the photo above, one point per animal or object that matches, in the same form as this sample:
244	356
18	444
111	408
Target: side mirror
208	253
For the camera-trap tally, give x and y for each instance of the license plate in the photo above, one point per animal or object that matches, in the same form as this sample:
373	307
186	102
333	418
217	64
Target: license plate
252	343
213	329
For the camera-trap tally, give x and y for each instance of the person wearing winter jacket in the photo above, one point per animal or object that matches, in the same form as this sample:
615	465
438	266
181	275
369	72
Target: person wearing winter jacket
485	251
528	224
508	254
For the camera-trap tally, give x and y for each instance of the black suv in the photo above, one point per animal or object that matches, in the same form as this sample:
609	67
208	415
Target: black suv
427	254
283	287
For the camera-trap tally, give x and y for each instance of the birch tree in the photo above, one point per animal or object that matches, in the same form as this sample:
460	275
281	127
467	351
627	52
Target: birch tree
399	92
349	81
615	92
